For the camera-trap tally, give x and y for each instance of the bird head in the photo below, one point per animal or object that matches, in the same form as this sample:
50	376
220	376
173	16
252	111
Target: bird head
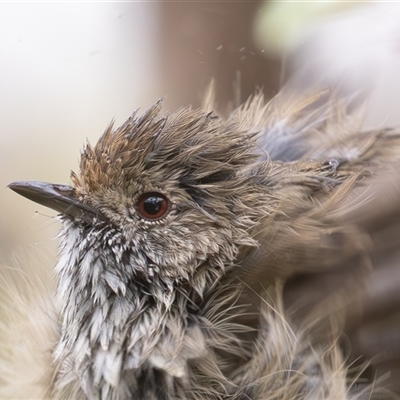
171	198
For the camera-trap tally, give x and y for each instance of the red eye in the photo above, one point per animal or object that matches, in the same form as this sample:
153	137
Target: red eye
153	205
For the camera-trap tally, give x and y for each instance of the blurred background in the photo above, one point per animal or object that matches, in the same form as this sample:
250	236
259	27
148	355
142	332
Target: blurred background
67	69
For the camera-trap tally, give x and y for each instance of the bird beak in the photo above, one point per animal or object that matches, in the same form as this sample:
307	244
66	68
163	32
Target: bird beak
60	198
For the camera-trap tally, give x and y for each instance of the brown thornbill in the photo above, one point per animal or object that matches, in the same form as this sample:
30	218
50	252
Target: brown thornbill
212	258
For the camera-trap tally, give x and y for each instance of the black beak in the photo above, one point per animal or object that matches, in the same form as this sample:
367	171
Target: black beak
60	198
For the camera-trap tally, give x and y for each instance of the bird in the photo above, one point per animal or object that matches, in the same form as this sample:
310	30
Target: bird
212	257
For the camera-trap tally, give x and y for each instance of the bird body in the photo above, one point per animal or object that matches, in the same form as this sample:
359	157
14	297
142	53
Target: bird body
178	237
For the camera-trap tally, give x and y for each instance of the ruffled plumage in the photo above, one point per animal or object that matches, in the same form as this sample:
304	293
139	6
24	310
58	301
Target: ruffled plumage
241	291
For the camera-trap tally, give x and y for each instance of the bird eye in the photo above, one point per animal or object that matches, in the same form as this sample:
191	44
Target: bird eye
152	205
